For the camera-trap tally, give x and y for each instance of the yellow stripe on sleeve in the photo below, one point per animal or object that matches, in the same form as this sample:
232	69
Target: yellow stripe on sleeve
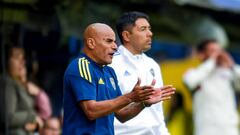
88	72
80	68
84	69
83	66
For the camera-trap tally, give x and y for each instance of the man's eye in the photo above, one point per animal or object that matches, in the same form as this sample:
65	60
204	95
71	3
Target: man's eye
143	28
109	41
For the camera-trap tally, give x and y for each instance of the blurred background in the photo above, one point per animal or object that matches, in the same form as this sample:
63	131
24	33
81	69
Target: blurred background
50	31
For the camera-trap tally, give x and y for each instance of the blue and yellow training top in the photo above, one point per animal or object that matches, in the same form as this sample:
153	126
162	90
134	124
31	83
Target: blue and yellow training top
86	80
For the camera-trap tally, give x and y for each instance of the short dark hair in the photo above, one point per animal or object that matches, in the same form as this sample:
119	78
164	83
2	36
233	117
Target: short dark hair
128	19
201	47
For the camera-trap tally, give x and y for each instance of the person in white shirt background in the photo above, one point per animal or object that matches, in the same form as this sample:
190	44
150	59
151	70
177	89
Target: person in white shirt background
130	63
213	83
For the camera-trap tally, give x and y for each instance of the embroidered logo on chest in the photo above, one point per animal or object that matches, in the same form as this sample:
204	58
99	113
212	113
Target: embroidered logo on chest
100	81
152	72
126	73
113	83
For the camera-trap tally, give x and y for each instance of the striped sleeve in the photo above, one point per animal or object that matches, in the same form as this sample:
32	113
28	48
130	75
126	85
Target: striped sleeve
84	71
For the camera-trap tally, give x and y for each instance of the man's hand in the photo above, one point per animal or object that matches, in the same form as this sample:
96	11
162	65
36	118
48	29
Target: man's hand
141	93
225	60
33	89
160	94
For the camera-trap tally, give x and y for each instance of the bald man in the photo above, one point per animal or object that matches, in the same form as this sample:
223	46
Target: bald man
91	93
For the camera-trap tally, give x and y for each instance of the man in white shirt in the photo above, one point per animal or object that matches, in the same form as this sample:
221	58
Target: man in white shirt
130	63
213	84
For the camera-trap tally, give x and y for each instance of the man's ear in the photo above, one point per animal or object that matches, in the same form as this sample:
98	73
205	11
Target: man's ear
126	35
91	43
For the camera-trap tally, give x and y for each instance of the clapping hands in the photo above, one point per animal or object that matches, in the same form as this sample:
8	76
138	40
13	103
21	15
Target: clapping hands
160	94
150	95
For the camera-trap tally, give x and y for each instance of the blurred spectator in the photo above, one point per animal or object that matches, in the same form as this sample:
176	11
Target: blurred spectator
42	103
41	100
19	111
52	126
212	84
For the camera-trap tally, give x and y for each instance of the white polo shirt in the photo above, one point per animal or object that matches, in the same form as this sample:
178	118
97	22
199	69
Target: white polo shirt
128	68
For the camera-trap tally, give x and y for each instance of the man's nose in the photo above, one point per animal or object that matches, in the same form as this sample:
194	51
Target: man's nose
150	33
114	46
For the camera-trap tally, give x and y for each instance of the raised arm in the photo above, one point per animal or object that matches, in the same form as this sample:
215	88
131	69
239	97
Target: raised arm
228	62
193	77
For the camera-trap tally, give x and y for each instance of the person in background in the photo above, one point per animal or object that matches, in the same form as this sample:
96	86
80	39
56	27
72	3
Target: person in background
130	63
42	103
212	84
51	126
21	117
91	93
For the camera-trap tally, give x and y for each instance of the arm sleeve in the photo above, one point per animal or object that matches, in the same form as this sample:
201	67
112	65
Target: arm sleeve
193	77
43	105
82	88
16	118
